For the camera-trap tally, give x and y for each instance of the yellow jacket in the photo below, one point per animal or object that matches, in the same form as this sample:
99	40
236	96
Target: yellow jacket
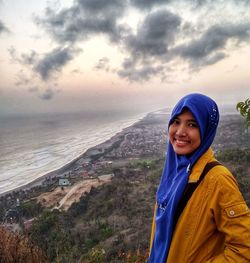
214	227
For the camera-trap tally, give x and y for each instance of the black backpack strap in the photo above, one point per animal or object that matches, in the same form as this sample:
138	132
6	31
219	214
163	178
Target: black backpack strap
190	188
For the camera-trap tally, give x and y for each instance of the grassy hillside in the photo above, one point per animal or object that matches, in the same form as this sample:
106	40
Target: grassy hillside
112	223
114	219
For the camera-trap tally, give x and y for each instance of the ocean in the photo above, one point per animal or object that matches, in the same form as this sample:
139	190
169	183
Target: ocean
31	146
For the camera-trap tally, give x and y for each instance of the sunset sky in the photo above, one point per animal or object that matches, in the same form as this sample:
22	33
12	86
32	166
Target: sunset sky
138	55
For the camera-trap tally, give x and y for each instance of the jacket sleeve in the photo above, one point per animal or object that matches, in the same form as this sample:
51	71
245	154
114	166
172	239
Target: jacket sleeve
232	217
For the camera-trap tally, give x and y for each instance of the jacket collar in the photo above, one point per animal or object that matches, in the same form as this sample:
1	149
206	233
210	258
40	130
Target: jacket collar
200	165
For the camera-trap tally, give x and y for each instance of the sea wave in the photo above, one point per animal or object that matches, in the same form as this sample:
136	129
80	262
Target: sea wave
40	150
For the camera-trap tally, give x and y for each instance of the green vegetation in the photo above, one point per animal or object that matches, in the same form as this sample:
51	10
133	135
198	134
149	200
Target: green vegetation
240	156
51	232
144	163
30	209
110	224
237	160
96	255
244	108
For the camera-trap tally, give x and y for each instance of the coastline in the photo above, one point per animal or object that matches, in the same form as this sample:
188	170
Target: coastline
86	154
151	118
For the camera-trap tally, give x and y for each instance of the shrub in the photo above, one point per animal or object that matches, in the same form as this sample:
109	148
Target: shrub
17	248
96	255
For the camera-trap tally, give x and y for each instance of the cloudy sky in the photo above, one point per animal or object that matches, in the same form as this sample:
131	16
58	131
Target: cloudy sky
139	55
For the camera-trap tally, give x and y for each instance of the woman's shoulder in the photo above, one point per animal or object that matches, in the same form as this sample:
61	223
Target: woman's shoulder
221	174
224	184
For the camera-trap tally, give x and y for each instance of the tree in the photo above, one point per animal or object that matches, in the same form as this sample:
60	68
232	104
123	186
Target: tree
244	108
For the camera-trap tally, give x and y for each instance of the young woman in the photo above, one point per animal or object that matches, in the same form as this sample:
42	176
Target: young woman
213	223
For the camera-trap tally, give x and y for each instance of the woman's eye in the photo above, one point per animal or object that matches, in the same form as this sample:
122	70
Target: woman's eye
176	121
193	124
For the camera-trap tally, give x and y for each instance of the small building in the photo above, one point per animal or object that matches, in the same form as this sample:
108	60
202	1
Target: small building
64	182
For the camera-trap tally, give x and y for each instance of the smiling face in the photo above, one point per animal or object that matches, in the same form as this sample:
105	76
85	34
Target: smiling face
184	133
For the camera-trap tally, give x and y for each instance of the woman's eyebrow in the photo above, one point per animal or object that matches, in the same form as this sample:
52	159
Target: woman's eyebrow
188	120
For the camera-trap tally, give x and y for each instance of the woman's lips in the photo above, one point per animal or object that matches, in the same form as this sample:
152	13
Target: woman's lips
181	143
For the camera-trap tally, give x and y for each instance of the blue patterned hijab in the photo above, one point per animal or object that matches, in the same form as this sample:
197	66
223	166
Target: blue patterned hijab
177	169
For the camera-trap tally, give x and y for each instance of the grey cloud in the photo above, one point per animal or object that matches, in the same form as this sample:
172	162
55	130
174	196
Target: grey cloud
44	94
100	6
50	63
23	80
206	48
24	59
245	2
214	58
150	44
30	58
92	17
3	28
48	94
54	61
155	35
148	4
103	64
151	47
33	89
196	4
85	18
128	63
206	2
206	61
138	73
209	3
76	71
12	52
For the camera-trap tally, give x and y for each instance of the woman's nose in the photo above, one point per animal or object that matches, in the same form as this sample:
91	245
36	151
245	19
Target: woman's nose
181	130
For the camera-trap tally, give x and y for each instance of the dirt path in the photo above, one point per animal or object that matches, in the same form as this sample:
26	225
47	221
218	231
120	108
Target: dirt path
63	198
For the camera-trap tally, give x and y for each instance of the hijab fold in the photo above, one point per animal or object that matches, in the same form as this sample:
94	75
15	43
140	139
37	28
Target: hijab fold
177	169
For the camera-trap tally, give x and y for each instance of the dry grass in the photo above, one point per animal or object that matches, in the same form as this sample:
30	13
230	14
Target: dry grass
15	248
